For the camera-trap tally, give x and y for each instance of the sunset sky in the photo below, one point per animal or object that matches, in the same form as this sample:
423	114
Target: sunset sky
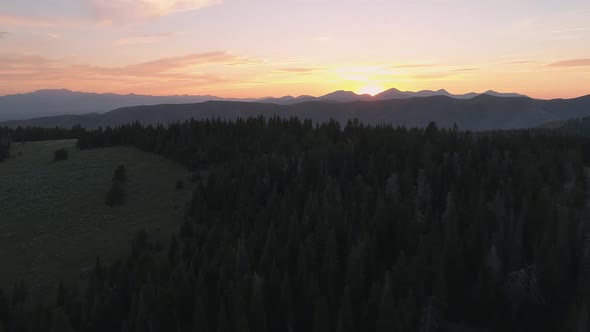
257	48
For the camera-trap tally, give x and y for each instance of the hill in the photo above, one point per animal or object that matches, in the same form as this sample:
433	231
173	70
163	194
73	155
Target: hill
54	218
484	112
327	228
60	102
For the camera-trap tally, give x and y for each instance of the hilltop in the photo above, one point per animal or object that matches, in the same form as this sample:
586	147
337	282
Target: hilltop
54	218
484	112
62	101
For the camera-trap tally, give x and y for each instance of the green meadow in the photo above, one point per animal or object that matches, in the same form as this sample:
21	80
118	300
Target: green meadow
53	218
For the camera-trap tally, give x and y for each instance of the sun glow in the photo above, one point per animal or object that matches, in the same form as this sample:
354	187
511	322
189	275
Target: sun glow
370	89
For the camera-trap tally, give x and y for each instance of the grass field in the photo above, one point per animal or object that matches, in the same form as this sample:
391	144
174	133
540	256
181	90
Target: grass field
53	217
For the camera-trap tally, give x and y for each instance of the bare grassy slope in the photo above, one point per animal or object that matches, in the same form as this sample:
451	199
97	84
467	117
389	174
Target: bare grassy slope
53	220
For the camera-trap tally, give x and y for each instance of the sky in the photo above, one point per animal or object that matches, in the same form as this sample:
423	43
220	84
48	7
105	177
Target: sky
258	48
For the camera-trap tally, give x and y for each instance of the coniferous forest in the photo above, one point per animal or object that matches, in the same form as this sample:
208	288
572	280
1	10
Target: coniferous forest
4	144
294	226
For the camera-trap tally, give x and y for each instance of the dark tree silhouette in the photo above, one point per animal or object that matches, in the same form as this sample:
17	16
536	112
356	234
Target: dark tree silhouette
294	226
60	155
116	194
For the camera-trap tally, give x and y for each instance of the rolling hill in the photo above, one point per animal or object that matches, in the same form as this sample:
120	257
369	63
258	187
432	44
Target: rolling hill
61	102
484	112
54	218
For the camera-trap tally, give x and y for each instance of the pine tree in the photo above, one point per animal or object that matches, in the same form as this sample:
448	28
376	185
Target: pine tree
120	174
200	319
60	321
321	319
387	315
222	319
257	319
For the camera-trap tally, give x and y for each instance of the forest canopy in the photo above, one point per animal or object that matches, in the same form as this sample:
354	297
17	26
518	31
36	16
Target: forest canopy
294	226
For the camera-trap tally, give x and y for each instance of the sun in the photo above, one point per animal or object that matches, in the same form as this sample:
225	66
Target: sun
370	90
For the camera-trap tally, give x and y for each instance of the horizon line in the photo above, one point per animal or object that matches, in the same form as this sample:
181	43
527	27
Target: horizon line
368	95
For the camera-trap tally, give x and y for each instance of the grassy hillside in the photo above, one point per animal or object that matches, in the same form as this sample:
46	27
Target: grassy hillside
54	220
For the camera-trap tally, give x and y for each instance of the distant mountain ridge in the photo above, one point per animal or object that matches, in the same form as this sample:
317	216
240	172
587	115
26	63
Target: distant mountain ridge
52	102
342	96
483	112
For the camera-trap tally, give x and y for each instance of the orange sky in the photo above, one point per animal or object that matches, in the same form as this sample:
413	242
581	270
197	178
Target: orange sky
257	48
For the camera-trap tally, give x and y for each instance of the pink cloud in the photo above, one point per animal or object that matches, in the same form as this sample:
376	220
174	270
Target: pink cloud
465	69
49	34
413	65
571	63
146	39
123	11
30	21
31	72
299	70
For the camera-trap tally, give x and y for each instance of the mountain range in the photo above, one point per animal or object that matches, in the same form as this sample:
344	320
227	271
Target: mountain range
481	112
44	103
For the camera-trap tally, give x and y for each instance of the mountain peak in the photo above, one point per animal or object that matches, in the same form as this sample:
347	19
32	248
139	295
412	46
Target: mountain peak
501	94
52	91
344	96
340	92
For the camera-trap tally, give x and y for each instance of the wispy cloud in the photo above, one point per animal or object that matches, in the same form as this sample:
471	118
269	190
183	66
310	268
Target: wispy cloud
459	72
413	65
562	38
123	11
33	21
175	71
23	60
178	74
571	63
179	67
465	69
146	39
3	34
245	62
299	70
49	34
112	11
518	62
433	76
581	29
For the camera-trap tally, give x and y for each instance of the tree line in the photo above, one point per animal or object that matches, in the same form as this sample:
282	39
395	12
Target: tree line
5	142
296	226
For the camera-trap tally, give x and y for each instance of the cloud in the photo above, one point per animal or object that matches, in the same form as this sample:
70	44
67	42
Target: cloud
32	21
444	74
413	65
49	34
562	38
176	74
22	60
182	73
518	62
125	10
432	76
299	70
571	63
177	63
465	69
3	34
112	11
570	30
146	39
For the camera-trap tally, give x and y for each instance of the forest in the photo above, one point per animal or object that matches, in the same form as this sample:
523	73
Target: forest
4	144
297	226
